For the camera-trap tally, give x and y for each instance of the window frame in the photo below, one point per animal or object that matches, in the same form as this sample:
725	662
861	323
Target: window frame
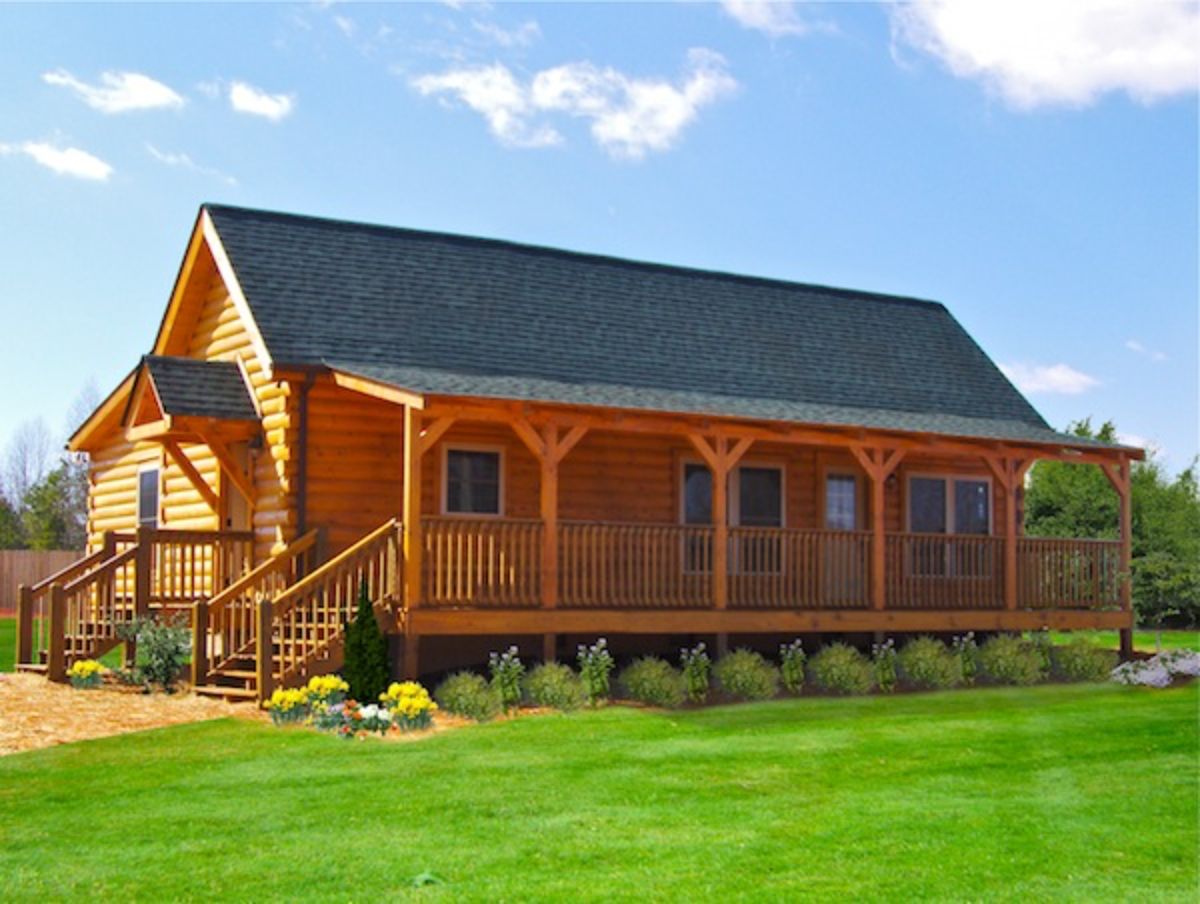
146	468
502	479
733	490
860	498
949	478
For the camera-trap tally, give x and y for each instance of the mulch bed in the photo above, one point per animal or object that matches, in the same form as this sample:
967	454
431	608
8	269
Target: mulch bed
37	713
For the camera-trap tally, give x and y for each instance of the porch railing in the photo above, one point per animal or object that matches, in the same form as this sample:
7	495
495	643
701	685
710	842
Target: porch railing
481	562
944	571
634	565
1068	574
805	569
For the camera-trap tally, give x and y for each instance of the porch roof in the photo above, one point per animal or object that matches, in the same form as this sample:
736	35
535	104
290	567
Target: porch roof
194	388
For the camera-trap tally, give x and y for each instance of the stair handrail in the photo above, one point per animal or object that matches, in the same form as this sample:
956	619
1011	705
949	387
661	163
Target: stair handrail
286	599
70	572
275	563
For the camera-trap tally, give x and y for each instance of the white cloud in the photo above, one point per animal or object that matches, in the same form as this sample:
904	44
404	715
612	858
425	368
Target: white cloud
629	116
118	92
521	36
210	89
246	98
1060	52
184	161
1139	348
345	25
777	19
1060	379
64	161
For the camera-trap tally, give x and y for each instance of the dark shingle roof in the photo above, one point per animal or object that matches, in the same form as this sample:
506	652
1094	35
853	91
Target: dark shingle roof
448	314
187	386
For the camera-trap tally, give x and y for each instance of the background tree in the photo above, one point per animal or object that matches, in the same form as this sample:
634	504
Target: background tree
28	457
11	532
1074	500
366	666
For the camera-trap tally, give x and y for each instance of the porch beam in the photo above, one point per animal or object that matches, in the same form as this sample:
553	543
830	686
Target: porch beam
878	464
230	467
195	478
722	454
434	432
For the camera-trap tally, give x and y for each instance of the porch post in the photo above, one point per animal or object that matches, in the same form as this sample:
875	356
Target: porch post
1010	474
24	624
56	660
1118	475
878	465
412	533
721	454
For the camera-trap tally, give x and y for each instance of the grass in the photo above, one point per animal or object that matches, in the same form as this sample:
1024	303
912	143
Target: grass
8	648
1142	640
1084	792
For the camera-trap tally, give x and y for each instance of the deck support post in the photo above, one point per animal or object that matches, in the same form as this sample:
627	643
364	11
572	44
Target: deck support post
1010	474
56	660
410	667
721	454
264	650
878	465
24	624
549	647
549	446
1118	474
142	571
199	643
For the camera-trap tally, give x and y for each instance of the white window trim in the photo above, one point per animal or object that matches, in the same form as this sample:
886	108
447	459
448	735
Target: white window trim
158	513
501	451
733	491
949	477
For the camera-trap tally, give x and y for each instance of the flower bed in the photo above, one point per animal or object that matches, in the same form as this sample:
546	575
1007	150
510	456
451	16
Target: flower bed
404	707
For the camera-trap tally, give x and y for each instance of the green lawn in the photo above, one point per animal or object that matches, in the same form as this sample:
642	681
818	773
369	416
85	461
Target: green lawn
1142	640
8	648
1082	793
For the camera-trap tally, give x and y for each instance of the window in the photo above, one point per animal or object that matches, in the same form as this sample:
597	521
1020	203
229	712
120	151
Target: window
841	502
697	495
755	501
760	497
472	482
147	507
959	506
949	505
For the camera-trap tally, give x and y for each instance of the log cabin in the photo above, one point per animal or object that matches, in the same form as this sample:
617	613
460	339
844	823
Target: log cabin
500	441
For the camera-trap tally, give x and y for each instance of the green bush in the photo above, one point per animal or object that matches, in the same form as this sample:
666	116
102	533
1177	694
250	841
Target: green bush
1007	659
968	654
365	665
507	671
654	681
1081	660
696	669
745	675
791	665
841	669
555	685
163	645
595	665
928	663
469	695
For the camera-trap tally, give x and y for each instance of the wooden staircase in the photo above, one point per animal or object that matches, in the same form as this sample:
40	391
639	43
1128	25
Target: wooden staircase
284	621
78	612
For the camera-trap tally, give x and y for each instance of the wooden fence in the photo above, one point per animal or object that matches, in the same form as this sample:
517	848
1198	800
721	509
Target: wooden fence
28	566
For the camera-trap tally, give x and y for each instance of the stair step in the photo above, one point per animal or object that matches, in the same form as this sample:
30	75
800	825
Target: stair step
229	693
241	674
39	668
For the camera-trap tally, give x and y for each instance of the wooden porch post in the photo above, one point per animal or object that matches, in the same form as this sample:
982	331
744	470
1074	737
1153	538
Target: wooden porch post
721	454
24	624
1010	474
199	643
878	465
56	661
417	441
264	650
1118	475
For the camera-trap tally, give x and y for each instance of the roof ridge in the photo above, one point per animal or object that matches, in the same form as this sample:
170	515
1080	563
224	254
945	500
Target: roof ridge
530	248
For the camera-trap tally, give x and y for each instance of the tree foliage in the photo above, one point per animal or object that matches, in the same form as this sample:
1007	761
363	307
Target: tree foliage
1075	500
366	666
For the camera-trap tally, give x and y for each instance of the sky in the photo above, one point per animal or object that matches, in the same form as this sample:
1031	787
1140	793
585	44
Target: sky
1031	165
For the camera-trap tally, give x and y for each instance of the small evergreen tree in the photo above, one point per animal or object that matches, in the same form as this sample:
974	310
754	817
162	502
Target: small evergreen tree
366	669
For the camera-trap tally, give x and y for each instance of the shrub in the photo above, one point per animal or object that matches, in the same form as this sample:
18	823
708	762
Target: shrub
1081	660
841	669
163	645
1007	659
467	694
696	669
595	665
654	681
747	676
928	663
1044	646
883	655
791	665
409	704
366	666
507	671
86	674
968	654
555	685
